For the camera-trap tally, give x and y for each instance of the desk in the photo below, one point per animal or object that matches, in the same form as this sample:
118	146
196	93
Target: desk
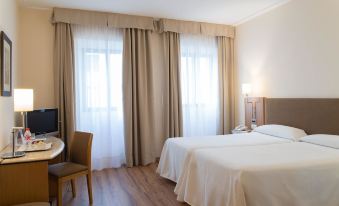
25	179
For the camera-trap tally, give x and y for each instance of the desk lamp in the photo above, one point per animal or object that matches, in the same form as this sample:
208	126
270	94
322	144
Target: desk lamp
23	102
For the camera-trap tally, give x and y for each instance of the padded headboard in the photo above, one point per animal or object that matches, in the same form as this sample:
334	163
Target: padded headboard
315	116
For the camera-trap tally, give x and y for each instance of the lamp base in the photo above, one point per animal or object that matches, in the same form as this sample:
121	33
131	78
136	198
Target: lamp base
11	155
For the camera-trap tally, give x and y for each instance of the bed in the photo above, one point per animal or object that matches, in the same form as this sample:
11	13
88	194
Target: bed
296	174
177	150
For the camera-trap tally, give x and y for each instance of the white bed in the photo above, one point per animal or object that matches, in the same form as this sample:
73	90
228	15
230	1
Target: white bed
177	150
296	174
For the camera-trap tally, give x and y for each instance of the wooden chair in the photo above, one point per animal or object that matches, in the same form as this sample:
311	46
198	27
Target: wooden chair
79	164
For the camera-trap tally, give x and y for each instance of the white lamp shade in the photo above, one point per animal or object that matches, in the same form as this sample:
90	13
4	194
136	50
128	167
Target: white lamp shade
246	89
23	100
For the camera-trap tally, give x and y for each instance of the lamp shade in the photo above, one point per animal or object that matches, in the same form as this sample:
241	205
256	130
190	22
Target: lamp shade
246	89
23	100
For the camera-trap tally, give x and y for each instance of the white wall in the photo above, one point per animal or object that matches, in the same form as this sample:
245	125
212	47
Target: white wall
291	51
8	24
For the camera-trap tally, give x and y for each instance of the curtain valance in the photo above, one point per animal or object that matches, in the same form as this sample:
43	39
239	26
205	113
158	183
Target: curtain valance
179	26
82	17
191	27
217	30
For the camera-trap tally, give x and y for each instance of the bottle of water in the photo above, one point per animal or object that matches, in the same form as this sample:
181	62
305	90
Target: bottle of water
28	135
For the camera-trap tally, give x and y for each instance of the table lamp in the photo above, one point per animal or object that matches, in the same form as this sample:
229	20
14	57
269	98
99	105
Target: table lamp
23	102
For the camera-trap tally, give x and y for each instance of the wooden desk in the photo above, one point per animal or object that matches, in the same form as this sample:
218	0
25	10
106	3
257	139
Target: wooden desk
25	179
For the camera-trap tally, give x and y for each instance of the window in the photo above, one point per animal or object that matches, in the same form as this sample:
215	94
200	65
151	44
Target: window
98	87
199	85
102	79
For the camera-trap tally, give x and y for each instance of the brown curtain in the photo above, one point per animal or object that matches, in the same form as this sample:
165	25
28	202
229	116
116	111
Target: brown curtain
138	97
172	92
226	83
64	80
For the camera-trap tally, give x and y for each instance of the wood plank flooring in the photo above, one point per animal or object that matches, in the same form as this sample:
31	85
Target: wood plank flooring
125	187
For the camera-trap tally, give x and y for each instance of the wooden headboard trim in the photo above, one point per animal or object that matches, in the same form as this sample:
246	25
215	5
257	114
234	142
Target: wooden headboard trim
259	103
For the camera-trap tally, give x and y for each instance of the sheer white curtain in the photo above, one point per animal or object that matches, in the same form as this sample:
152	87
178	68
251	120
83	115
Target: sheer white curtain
199	85
98	87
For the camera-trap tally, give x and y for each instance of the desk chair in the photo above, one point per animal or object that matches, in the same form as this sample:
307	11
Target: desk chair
79	164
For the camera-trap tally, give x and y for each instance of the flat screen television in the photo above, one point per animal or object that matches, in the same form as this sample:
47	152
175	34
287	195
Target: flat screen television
43	121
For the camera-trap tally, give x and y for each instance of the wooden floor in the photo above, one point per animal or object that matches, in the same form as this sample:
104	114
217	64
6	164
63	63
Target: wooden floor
124	186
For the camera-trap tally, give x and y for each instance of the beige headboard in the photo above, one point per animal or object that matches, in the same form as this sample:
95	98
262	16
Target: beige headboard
315	116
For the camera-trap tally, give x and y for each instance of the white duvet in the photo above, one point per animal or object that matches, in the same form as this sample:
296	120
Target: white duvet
296	174
176	150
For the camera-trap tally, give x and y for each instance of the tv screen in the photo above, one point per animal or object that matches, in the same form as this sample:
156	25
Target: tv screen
43	121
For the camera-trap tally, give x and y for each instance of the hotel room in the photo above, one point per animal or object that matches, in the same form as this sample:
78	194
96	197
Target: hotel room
181	102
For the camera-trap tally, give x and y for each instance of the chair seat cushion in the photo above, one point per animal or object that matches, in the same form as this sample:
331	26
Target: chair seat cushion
65	169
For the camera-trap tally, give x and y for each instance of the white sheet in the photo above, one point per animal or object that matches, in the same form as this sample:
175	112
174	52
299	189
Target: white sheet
296	174
176	150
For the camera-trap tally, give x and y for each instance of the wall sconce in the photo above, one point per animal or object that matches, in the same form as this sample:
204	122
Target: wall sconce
254	111
246	89
254	115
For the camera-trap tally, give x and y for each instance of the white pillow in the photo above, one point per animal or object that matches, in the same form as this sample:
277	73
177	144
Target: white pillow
323	140
281	131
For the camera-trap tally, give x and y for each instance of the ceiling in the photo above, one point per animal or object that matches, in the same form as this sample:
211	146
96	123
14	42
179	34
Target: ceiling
230	12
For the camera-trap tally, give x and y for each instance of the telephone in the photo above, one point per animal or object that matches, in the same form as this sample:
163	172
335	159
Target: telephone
241	128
